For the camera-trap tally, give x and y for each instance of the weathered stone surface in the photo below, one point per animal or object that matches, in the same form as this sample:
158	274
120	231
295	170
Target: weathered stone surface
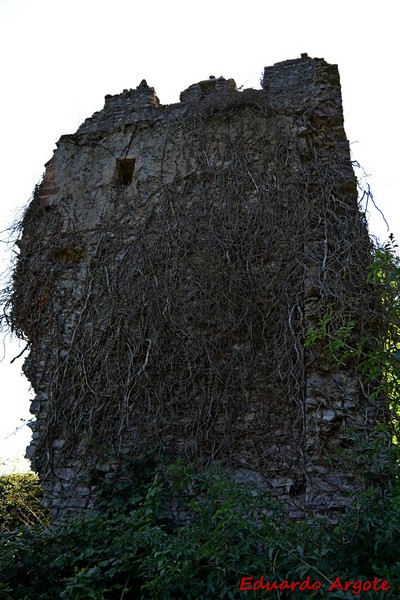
170	264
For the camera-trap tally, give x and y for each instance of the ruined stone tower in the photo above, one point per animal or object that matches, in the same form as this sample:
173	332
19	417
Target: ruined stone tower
171	262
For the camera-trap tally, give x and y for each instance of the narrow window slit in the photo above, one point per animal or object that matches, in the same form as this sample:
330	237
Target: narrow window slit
125	169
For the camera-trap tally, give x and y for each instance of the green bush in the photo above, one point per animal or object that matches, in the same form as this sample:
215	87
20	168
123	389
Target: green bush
226	533
20	496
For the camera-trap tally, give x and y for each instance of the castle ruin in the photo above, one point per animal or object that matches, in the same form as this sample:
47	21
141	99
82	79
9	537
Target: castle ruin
171	263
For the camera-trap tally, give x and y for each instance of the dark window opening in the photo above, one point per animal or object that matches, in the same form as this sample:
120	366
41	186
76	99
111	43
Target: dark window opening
125	169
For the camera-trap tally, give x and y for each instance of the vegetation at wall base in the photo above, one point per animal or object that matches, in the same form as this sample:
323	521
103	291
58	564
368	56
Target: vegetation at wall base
226	533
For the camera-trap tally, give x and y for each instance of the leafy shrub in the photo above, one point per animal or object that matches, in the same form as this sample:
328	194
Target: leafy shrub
20	496
230	532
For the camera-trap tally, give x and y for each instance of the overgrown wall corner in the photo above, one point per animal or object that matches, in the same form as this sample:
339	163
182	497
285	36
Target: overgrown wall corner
170	264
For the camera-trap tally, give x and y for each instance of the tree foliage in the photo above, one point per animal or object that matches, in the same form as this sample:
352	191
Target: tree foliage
377	359
20	497
233	533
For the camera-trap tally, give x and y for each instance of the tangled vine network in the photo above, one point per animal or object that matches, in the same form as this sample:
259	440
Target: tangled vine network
185	325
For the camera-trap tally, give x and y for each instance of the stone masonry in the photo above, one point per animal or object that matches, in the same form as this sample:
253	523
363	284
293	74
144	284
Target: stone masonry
171	262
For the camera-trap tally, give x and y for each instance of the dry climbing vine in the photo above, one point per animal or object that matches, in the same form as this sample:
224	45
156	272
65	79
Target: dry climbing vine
184	326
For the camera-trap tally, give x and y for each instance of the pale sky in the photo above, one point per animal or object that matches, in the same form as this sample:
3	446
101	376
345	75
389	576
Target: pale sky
59	58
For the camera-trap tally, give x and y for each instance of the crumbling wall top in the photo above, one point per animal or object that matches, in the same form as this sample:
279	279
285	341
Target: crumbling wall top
303	83
198	91
121	108
295	85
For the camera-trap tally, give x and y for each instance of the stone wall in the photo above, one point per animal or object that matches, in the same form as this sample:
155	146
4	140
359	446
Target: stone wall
171	262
